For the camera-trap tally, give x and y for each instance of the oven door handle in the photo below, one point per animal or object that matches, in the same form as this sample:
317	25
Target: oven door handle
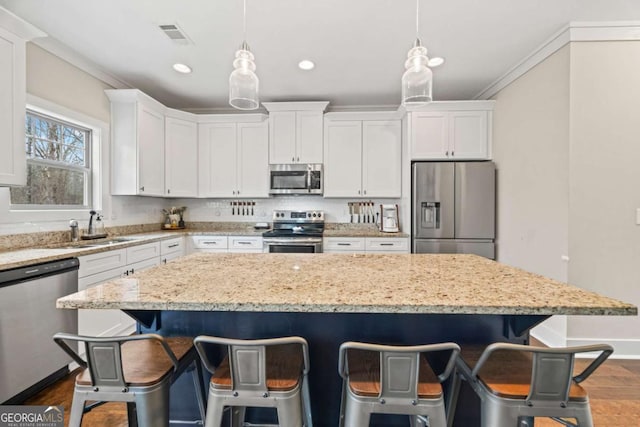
299	242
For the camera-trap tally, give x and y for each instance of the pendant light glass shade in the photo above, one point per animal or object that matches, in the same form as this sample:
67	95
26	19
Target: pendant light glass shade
417	80
243	81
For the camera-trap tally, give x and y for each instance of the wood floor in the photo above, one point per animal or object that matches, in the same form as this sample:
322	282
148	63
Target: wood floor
614	391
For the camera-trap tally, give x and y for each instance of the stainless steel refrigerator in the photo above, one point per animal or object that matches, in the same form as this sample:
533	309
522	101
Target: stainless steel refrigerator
453	207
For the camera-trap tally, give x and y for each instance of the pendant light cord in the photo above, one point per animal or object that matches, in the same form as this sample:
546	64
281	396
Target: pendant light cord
417	18
244	20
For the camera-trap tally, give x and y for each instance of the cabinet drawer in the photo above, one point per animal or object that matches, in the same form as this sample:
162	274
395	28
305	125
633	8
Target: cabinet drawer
171	246
97	263
170	257
245	243
142	252
387	244
209	242
343	244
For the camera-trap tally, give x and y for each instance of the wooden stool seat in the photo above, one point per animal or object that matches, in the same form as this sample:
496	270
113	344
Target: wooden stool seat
284	366
364	375
145	362
507	374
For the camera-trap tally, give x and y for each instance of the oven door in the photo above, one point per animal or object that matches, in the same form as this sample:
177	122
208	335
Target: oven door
297	245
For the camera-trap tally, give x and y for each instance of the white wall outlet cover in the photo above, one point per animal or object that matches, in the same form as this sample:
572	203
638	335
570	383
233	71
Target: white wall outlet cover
638	216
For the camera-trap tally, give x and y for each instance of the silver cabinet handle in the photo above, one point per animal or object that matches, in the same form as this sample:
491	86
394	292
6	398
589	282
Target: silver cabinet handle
386	244
174	245
142	188
344	244
164	261
452	154
358	191
209	243
243	243
298	159
168	191
365	192
293	159
446	153
237	191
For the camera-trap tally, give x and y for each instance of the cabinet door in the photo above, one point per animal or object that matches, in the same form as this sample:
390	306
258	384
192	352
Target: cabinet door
150	151
309	137
429	135
181	158
217	160
343	159
13	164
468	134
282	131
381	159
253	160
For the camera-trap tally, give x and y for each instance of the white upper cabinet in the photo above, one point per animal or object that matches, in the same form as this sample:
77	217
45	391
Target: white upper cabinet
14	32
137	144
234	159
181	157
363	158
451	131
295	131
343	159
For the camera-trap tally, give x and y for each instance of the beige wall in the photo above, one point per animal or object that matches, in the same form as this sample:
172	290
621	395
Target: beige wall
604	240
58	81
567	144
531	150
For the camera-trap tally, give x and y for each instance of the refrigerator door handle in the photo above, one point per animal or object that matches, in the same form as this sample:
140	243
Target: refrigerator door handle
430	215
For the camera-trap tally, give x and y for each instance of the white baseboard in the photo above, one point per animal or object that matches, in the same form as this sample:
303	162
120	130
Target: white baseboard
623	348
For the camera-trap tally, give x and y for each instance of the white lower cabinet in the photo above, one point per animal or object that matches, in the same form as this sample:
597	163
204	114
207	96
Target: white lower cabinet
104	267
390	245
245	244
360	245
225	244
212	244
171	249
343	245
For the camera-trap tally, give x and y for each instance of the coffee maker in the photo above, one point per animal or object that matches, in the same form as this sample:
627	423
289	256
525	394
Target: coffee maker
389	222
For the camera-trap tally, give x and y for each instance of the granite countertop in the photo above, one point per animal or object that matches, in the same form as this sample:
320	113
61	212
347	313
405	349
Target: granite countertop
403	283
36	252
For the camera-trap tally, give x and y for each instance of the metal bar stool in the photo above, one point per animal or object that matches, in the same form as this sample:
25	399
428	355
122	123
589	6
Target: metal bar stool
137	369
392	380
517	383
258	373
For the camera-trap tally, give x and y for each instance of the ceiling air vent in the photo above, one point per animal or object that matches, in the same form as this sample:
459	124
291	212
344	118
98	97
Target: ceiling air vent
175	33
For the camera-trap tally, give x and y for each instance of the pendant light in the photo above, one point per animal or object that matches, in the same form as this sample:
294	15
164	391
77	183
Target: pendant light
243	81
417	80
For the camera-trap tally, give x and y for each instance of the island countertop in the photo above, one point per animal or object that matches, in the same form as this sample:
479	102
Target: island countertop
403	283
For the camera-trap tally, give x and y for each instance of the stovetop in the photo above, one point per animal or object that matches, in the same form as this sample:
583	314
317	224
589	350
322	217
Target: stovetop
296	224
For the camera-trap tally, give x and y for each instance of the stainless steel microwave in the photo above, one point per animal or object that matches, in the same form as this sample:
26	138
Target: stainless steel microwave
295	179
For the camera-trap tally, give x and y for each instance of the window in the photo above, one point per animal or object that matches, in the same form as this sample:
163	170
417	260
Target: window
58	165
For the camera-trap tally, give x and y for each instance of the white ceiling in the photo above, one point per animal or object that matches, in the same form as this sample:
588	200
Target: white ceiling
359	46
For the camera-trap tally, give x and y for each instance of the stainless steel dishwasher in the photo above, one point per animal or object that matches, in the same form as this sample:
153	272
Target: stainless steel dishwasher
29	359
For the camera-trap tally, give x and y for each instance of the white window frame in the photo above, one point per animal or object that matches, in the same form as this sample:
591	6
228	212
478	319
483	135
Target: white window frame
100	133
85	169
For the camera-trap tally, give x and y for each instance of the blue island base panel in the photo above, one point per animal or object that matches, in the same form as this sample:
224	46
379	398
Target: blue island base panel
325	332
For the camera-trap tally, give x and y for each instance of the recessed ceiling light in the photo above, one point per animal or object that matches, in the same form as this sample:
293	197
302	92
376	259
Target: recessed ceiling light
306	65
182	68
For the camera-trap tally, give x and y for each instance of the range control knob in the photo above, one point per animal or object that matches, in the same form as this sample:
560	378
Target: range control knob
314	215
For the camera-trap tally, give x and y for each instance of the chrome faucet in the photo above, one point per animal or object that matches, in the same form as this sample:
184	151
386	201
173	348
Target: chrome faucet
74	230
91	229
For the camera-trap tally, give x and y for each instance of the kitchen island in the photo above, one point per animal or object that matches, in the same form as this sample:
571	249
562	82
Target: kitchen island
328	299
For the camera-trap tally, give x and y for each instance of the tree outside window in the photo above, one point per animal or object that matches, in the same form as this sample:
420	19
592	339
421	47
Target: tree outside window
58	165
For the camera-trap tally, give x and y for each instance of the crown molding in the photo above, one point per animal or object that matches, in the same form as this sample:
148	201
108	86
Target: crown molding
573	32
69	55
18	26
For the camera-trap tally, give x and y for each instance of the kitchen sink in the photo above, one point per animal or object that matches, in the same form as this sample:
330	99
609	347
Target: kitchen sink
97	243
